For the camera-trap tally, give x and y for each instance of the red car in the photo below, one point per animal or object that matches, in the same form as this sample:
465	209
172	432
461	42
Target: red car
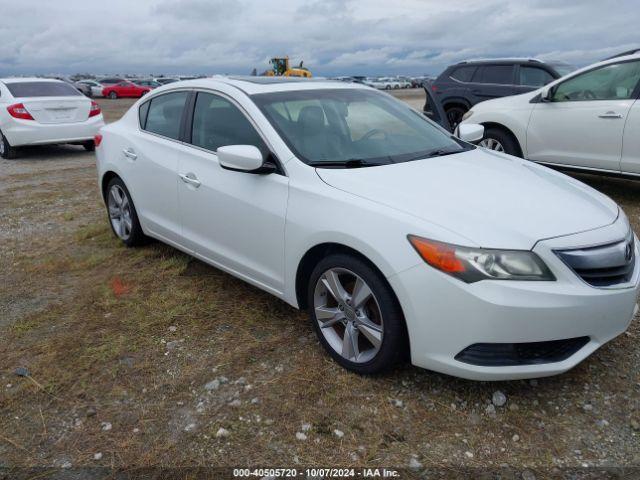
124	89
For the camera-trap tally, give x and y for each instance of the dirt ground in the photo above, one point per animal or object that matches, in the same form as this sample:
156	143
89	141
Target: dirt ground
142	357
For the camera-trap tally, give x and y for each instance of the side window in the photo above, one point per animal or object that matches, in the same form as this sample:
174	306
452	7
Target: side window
217	122
142	114
534	76
611	82
496	74
165	114
463	74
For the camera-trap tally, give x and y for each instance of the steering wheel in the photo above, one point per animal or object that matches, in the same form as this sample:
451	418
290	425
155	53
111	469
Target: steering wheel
588	95
373	132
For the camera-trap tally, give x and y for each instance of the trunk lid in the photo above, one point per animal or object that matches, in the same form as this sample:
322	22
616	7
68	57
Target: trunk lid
51	110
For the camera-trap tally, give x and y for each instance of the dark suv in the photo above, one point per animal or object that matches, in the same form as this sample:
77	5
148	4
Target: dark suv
464	84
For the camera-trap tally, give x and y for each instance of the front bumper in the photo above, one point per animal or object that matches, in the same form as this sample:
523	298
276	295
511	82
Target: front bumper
444	315
30	132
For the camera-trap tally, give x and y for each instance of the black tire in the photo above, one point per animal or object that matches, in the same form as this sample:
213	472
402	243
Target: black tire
387	87
394	347
509	144
454	115
136	236
6	150
113	95
89	146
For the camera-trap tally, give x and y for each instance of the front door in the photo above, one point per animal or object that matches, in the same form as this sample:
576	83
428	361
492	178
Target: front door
232	219
583	121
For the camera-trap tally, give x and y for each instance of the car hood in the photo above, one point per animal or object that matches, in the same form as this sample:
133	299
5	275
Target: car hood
494	200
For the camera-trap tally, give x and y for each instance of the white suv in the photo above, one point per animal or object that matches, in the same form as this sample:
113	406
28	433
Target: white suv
588	120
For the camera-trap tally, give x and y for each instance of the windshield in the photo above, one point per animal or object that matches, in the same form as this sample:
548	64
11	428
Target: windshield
336	126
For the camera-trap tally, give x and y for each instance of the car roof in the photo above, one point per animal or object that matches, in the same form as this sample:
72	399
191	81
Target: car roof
28	79
254	85
475	61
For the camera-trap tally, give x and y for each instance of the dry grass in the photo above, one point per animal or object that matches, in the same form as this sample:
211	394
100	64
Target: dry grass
91	321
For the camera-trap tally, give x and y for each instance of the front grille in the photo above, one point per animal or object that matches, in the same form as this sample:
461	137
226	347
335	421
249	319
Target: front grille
605	265
513	354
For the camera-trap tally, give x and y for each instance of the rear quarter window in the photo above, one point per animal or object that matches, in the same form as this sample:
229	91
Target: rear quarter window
41	89
463	74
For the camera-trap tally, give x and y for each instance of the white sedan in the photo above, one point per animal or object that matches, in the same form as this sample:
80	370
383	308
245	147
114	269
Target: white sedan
39	111
401	240
96	87
588	120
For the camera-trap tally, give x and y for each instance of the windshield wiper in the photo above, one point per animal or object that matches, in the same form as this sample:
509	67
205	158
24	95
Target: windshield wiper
439	152
350	163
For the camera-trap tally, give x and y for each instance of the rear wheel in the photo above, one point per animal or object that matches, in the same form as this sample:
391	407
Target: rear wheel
454	115
123	217
113	95
500	141
6	150
89	146
356	315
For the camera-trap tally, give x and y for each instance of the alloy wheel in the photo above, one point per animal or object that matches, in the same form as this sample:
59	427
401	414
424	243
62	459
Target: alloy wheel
348	315
120	212
2	149
492	144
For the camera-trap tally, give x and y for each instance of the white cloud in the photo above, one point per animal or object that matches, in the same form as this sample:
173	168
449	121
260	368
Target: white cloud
331	36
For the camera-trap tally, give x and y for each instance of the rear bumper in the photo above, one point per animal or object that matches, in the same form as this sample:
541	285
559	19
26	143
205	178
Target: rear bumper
446	316
29	132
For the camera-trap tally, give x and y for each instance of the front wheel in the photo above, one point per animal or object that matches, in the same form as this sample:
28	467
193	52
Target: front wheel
500	141
113	95
355	315
89	146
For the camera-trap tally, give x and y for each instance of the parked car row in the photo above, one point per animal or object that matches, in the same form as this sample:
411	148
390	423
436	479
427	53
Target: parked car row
587	120
460	86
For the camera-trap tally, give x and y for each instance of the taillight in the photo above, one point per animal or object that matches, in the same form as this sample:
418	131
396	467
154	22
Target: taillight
18	111
94	110
97	139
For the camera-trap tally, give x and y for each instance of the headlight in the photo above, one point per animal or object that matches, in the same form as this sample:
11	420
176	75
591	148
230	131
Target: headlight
467	115
475	264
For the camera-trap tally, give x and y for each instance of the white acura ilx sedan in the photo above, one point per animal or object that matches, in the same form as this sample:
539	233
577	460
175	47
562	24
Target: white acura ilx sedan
400	239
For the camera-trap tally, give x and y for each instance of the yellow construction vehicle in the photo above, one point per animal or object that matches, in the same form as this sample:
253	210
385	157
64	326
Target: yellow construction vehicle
280	68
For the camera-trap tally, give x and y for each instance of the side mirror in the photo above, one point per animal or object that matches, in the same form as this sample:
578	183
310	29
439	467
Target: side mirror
470	132
243	158
546	94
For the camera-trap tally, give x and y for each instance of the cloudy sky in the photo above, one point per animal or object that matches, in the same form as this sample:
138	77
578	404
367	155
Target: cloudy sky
332	36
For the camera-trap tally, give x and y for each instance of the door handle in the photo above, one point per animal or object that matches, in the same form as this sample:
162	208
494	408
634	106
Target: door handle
129	153
191	179
610	114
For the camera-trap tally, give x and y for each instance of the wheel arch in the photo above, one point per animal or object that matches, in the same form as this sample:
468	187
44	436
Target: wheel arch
311	258
508	131
104	182
456	102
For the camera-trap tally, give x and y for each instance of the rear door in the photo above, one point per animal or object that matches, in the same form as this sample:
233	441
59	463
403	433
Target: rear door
492	81
151	158
583	123
51	102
